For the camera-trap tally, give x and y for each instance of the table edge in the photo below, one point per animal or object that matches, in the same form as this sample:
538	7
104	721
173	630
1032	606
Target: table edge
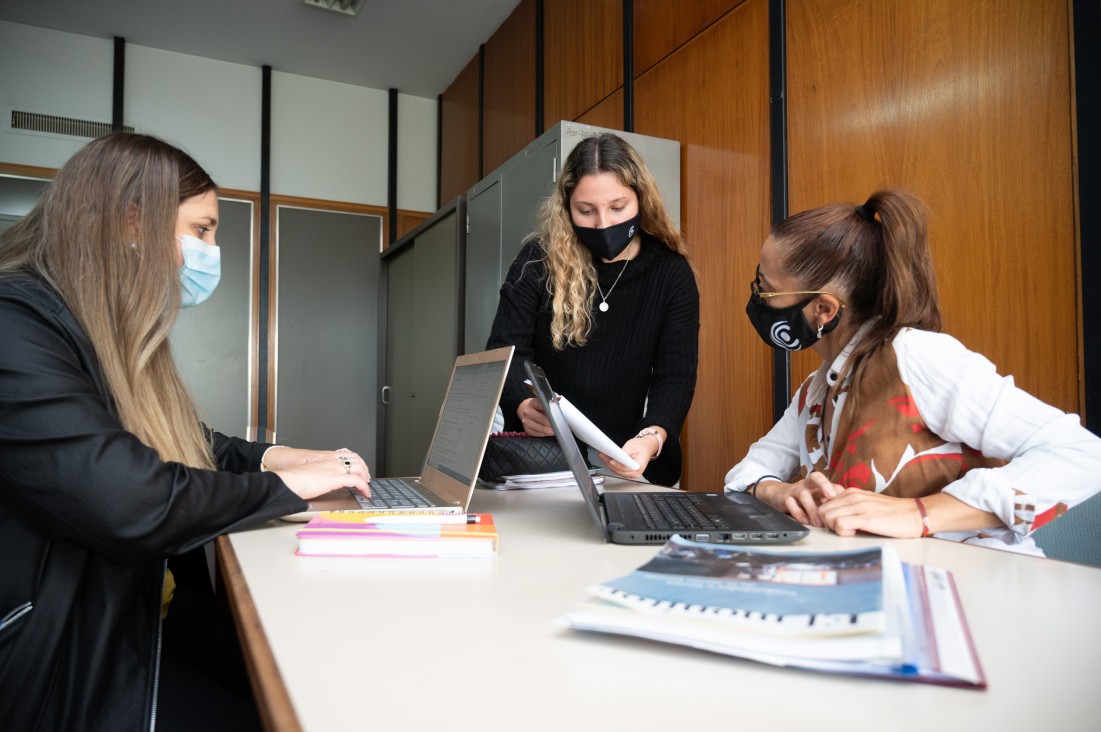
272	699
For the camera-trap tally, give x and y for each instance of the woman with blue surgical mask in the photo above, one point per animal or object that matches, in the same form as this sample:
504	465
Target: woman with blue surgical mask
603	297
902	431
200	258
108	479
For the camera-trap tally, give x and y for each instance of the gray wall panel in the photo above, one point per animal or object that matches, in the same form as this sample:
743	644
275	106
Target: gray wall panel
327	310
210	342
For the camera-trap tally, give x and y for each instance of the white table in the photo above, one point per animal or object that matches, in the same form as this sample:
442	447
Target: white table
426	644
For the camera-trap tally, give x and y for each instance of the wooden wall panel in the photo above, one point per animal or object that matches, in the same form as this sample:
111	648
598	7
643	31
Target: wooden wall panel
663	25
407	221
712	95
608	113
967	105
582	56
509	83
459	134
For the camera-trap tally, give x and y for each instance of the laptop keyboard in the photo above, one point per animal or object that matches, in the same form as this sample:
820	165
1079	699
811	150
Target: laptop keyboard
665	512
391	493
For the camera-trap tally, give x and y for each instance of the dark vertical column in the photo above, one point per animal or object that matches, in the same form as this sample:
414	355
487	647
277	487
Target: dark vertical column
265	250
439	150
778	151
538	67
118	93
392	167
481	109
1087	91
628	66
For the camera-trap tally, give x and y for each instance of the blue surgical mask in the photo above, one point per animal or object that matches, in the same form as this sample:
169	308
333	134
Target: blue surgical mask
201	270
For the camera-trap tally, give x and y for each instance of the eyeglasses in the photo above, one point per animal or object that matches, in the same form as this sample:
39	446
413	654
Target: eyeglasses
758	294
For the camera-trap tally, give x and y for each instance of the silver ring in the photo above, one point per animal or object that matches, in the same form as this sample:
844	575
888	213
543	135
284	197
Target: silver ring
347	465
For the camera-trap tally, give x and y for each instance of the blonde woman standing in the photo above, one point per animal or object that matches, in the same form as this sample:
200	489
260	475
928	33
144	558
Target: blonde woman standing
105	469
604	299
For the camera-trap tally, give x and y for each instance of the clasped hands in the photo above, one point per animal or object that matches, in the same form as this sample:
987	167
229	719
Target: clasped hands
818	502
311	473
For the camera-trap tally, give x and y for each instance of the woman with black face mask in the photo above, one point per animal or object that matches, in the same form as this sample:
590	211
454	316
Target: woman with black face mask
603	297
902	431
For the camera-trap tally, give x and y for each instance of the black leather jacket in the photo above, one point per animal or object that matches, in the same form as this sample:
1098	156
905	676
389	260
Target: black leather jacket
88	516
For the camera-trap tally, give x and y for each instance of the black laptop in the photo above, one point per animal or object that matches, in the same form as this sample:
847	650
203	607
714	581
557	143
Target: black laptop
641	517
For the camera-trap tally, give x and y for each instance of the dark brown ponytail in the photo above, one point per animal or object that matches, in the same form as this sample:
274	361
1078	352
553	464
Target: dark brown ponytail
875	256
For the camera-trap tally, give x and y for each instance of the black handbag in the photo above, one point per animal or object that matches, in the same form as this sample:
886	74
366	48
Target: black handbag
518	453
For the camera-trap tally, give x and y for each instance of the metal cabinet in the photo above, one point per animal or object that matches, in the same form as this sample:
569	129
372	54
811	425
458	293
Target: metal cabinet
422	294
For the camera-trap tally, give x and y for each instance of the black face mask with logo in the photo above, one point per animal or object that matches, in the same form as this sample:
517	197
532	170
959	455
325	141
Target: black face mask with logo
785	328
609	243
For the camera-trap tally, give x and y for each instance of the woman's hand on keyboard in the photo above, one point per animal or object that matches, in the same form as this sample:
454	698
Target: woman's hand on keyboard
800	499
310	473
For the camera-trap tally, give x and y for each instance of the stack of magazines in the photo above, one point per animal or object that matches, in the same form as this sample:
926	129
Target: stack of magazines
860	612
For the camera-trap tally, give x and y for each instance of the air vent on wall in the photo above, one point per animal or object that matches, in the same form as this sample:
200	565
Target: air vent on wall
347	7
53	125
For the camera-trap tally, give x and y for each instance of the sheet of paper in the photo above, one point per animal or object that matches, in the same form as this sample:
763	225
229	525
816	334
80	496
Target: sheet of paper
562	479
591	435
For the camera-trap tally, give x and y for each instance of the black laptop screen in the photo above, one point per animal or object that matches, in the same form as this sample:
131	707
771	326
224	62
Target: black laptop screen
566	441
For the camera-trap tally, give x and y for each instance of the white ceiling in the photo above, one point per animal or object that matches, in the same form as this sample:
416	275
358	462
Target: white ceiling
415	46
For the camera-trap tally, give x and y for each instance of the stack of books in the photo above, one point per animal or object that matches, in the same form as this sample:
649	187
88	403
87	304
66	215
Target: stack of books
369	534
860	612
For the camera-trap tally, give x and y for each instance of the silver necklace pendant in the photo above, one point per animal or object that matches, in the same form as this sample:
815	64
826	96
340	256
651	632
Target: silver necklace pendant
603	306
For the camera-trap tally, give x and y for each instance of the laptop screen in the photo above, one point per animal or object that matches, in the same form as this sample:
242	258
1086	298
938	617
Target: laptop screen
467	412
566	441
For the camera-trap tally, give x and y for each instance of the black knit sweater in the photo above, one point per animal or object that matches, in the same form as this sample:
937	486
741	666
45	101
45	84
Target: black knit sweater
639	366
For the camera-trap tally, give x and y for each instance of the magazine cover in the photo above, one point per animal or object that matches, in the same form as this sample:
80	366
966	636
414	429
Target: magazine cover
804	593
859	612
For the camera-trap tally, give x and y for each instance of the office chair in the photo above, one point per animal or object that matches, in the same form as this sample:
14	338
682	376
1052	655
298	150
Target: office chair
1075	537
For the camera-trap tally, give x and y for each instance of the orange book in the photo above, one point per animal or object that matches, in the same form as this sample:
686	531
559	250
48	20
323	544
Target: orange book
350	534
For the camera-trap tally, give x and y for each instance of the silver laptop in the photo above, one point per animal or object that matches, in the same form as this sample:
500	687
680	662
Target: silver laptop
446	482
641	517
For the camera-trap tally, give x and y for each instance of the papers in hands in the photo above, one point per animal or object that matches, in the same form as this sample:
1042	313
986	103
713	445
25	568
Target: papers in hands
591	435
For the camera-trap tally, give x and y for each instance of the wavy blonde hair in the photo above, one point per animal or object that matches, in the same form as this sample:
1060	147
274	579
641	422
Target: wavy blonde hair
103	236
571	274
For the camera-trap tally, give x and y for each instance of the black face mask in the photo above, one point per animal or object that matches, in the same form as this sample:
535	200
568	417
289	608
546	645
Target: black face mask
609	243
785	328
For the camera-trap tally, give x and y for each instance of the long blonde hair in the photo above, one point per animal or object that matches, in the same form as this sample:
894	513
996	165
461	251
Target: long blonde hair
571	274
102	235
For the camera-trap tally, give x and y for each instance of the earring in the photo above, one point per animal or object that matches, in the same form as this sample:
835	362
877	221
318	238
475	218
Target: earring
820	327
